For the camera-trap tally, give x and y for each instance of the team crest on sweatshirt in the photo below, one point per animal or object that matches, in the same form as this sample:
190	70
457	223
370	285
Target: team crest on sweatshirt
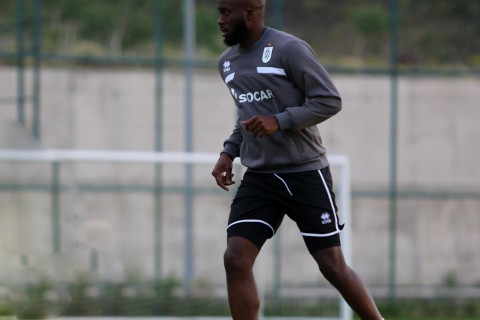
267	54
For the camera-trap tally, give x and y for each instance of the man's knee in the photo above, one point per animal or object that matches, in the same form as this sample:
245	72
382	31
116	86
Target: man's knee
331	263
240	255
233	261
333	272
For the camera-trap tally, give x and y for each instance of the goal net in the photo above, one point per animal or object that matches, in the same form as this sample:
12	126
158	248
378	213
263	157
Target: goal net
133	234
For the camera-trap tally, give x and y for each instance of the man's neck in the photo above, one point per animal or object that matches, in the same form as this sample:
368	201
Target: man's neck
253	37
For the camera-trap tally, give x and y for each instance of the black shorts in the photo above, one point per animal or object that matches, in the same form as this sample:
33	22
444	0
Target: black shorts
263	199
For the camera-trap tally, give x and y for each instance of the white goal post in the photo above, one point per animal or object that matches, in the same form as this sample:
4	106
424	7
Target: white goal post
339	162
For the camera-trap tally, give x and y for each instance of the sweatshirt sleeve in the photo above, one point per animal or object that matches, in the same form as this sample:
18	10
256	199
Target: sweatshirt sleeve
322	99
231	146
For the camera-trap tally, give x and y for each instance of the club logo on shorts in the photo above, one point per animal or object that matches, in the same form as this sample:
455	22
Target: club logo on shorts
267	54
325	218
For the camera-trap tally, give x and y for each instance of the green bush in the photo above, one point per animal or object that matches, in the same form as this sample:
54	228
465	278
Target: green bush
86	296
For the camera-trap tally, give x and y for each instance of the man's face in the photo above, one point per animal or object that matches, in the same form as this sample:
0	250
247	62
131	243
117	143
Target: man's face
231	21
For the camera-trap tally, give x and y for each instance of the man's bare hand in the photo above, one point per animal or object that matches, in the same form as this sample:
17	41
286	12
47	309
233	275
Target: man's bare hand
262	125
222	172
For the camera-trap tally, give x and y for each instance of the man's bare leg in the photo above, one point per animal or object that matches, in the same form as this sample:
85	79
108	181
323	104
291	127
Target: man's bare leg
243	295
333	266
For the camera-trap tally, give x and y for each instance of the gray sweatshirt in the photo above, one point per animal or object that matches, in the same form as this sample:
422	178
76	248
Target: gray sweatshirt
279	75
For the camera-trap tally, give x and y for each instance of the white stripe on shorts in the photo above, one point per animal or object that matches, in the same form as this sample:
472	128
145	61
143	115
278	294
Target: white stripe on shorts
252	220
337	230
286	185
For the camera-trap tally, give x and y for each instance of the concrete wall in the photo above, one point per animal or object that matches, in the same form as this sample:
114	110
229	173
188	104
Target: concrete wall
438	149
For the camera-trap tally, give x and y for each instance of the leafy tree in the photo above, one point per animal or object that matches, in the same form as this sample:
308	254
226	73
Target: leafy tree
208	35
432	32
371	22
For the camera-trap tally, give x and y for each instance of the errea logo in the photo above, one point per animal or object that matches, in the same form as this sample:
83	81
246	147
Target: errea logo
226	66
325	218
255	96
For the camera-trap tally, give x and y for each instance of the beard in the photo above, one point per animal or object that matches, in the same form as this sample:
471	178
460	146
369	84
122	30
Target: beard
238	35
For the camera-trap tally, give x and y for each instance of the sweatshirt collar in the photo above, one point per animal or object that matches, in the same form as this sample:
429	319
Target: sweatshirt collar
257	44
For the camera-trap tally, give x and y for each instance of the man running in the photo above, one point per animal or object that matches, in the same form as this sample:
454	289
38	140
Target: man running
281	92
